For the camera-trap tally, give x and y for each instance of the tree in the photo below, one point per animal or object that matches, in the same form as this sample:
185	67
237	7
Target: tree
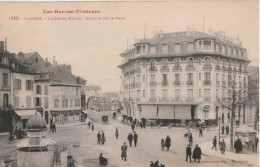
234	95
253	96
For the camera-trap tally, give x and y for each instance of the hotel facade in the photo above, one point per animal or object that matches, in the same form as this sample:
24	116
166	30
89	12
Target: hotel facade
182	76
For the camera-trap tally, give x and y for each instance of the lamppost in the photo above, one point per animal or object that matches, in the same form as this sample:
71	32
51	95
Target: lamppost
219	119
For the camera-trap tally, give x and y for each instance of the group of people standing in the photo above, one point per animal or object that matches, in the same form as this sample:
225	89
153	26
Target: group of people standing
101	139
52	126
131	137
91	124
166	143
196	155
223	129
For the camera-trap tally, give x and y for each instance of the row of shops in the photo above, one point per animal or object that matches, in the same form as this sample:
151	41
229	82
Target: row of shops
21	117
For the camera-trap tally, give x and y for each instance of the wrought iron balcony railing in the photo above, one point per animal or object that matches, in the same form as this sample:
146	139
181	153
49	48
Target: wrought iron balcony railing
177	68
189	99
177	83
190	83
153	83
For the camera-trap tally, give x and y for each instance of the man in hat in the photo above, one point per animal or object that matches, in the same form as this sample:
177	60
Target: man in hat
214	143
124	151
188	152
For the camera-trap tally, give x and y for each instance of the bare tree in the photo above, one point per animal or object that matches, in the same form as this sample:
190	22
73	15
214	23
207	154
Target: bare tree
234	95
253	97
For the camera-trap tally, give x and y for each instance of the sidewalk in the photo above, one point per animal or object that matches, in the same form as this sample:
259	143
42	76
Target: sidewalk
73	124
243	158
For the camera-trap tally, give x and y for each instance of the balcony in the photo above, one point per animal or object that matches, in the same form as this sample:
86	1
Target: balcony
190	83
235	69
177	68
176	99
165	69
152	69
189	99
6	108
190	68
207	82
217	83
207	99
218	68
5	87
177	83
138	85
164	99
152	99
153	83
165	83
224	68
131	99
207	67
138	70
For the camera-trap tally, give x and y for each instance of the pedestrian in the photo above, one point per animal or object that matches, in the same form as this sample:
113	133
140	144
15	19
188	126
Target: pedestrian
51	127
141	125
98	137
238	122
227	129
89	123
190	139
15	132
238	145
162	144
102	160
214	143
200	132
197	153
130	139
117	134
223	129
188	152
135	138
124	151
152	164
92	126
156	164
133	126
54	127
168	142
103	138
20	135
223	147
256	142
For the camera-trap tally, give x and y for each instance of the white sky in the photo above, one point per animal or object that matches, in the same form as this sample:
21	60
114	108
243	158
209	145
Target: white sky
93	47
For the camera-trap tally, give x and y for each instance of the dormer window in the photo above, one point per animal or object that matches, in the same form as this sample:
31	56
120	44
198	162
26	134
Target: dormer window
138	49
4	59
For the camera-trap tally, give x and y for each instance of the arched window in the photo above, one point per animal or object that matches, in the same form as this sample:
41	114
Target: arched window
164	62
152	65
177	64
190	62
207	60
138	64
217	61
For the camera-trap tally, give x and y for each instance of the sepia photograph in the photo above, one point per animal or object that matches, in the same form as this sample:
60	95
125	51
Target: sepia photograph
129	84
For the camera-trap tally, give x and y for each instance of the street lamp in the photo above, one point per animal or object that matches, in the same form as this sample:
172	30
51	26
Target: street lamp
219	119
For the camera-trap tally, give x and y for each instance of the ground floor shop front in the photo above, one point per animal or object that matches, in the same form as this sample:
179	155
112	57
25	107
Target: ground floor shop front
65	116
187	111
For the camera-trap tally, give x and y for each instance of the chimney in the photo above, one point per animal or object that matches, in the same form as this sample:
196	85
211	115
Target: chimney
5	44
2	46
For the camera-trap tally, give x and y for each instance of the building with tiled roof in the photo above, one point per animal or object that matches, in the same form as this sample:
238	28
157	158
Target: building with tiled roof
182	75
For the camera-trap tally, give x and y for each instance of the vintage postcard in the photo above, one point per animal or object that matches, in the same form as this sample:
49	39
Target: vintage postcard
129	84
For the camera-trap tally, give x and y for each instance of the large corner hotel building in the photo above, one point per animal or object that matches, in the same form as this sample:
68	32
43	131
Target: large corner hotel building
179	76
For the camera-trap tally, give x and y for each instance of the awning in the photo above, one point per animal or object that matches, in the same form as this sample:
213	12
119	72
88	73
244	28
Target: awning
85	111
26	114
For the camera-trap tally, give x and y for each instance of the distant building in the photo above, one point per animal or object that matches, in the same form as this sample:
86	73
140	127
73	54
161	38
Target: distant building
59	93
181	75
